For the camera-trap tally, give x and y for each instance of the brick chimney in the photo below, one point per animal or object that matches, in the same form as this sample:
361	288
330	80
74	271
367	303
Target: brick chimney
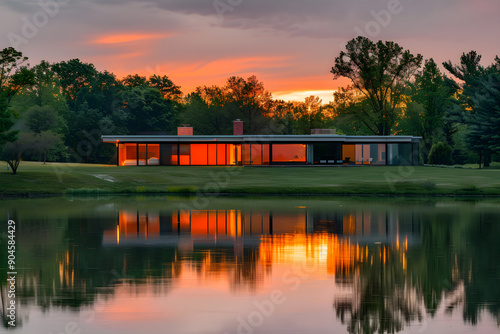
185	130
238	127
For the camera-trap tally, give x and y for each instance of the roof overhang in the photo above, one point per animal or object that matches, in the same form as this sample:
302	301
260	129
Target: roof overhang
260	139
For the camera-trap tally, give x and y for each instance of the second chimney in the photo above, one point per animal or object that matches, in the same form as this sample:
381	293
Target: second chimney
184	130
238	128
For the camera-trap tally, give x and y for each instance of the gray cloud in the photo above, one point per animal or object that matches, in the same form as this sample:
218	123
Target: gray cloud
309	34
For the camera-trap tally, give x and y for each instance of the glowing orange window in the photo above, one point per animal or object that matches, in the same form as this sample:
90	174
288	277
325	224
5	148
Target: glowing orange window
212	154
199	154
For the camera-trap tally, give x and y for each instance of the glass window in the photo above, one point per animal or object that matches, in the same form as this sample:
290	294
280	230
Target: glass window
212	154
230	158
153	154
265	154
247	151
399	154
237	153
142	154
359	154
392	154
289	153
377	154
348	154
406	154
221	154
122	154
256	154
199	156
363	154
128	154
184	154
175	162
415	154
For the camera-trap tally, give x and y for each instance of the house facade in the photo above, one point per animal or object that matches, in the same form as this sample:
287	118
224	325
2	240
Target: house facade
261	150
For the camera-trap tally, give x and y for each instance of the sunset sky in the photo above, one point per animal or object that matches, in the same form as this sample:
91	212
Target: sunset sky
290	45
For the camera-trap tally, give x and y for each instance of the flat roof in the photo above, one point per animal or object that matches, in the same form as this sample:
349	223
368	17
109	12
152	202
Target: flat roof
259	139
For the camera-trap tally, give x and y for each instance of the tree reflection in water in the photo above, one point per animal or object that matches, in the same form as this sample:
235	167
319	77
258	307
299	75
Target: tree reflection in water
71	260
455	268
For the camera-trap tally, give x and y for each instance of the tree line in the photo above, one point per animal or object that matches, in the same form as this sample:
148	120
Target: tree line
58	111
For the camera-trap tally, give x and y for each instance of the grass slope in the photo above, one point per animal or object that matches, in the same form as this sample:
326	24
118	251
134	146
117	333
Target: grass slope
33	178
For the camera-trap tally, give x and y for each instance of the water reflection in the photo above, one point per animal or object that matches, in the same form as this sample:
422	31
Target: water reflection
390	266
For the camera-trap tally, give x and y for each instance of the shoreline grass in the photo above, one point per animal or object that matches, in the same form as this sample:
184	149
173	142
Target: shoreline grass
36	179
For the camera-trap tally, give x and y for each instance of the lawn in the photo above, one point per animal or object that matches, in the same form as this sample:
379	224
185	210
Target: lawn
34	178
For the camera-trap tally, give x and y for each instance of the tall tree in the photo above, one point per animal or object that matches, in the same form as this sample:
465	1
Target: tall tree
102	93
352	113
74	75
207	111
168	89
251	102
13	77
483	133
45	141
44	118
309	115
148	111
246	99
427	105
470	87
135	80
380	72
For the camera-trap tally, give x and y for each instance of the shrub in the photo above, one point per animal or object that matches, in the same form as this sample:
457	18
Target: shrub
440	154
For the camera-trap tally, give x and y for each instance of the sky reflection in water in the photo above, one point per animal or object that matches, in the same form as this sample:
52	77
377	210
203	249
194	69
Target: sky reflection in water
155	265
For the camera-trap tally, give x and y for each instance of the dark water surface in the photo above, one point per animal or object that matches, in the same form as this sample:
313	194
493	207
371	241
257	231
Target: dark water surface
253	265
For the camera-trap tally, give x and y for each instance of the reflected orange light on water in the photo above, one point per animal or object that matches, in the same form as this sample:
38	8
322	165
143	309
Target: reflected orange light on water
325	250
254	242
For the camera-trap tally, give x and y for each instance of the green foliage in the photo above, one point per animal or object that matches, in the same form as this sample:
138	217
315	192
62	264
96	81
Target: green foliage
6	122
379	72
309	115
440	154
207	112
249	101
13	77
147	110
14	152
45	118
353	112
461	153
484	129
166	87
131	81
425	113
211	110
46	141
477	105
74	75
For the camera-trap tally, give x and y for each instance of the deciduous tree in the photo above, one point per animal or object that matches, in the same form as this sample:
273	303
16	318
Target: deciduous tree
13	77
380	71
15	151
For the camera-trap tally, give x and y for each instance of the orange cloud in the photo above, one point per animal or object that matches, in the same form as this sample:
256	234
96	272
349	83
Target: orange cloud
125	38
229	66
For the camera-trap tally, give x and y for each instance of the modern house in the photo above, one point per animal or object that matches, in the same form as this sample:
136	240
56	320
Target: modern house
186	149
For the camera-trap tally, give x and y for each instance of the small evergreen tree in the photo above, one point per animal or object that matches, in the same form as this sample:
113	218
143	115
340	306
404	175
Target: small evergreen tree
440	154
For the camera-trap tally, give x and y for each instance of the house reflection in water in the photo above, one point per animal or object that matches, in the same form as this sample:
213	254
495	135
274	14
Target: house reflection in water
334	241
186	229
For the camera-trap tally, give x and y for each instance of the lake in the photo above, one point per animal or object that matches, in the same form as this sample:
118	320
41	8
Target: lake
253	265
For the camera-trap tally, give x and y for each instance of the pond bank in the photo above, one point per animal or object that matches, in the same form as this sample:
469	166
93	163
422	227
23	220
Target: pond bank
34	180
